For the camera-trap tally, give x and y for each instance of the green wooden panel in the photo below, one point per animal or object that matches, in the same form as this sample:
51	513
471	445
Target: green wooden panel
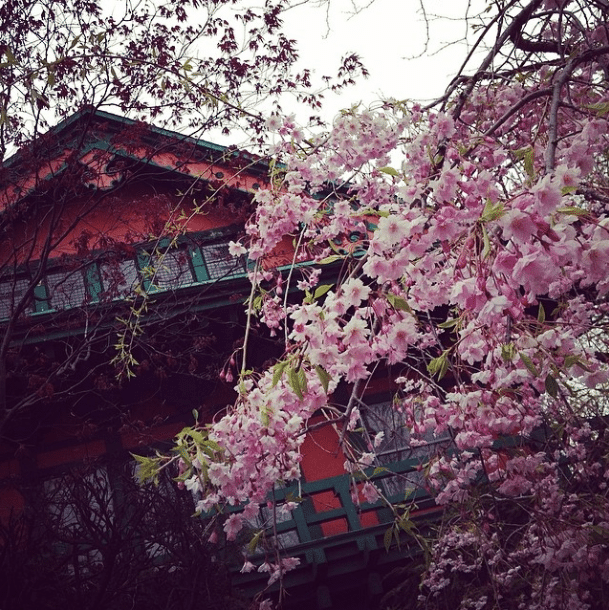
198	263
93	282
41	298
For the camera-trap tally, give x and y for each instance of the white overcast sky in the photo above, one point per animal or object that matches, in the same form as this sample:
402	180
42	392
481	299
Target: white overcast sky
388	36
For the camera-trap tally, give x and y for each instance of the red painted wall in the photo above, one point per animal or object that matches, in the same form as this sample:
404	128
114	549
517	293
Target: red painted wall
323	458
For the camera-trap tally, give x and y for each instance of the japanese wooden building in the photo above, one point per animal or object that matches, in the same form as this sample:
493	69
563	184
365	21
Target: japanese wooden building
96	215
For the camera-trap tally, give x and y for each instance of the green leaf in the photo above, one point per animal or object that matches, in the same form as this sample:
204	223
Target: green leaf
600	534
398	302
197	437
211	449
551	386
491	211
507	351
573	211
330	259
527	155
408	492
529	364
183	433
389	170
380	470
294	381
302	380
264	416
387	538
601	108
529	166
541	314
324	377
321	290
254	542
487	243
576	361
406	524
449	323
147	469
257	303
439	366
278	371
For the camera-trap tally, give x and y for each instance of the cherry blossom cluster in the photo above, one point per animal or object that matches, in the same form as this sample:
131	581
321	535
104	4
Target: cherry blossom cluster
260	445
471	259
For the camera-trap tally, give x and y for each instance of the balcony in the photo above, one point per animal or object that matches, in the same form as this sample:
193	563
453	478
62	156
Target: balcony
154	268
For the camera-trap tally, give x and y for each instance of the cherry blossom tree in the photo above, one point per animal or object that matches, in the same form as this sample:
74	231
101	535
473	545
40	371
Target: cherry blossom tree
461	246
467	248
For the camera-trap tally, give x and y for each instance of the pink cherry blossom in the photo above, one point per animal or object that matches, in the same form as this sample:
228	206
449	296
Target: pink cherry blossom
468	257
233	526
